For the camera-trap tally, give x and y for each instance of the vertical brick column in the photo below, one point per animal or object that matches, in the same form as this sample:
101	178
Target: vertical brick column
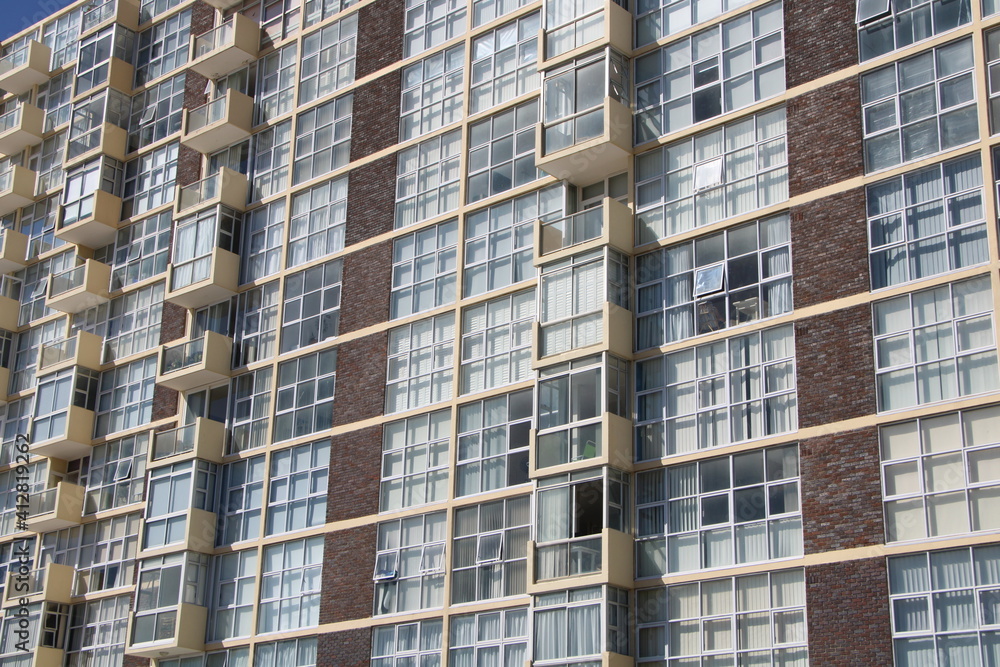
348	563
350	648
820	39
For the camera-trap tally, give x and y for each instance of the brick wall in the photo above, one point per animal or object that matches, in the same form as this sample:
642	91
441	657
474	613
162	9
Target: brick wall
841	493
350	648
830	248
824	137
202	18
371	201
835	366
356	464
380	35
366	287
172	322
376	116
188	165
194	90
348	563
360	379
820	38
848	614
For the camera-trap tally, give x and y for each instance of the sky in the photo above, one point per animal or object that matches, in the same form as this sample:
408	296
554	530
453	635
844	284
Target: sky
16	15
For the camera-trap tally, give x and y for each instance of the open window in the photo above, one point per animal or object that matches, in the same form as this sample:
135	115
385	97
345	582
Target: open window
871	10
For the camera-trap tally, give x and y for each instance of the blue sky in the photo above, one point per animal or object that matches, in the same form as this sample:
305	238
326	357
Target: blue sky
16	15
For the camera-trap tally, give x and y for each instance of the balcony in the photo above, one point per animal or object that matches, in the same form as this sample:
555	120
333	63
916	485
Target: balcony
611	223
107	139
605	24
204	439
218	124
103	14
74	442
25	68
607	442
170	633
97	229
13	252
54	583
585	148
226	187
602	558
84	349
205	280
17	189
21	128
56	508
78	289
225	48
10	302
609	329
196	363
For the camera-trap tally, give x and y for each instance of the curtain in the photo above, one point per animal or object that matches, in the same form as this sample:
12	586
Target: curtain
786	537
683	553
550	634
751	543
584	636
718	547
911	614
553	514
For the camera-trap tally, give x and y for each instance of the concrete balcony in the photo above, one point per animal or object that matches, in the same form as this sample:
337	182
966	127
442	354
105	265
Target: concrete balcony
586	147
10	303
4	386
40	656
74	442
196	363
171	633
25	68
83	349
80	288
606	330
107	139
17	189
226	47
198	535
204	439
226	187
609	25
13	252
21	128
205	280
609	224
603	558
56	508
218	124
99	227
103	14
607	442
53	583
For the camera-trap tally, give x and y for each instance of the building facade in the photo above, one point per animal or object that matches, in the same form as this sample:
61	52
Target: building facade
602	334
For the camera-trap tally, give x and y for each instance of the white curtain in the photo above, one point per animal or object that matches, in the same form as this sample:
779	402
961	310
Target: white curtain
584	637
550	634
751	543
786	538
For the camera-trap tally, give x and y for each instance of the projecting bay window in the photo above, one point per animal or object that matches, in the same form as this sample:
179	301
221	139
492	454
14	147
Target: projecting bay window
575	400
94	65
99	122
196	239
575	627
166	584
102	552
81	197
409	565
573	24
55	395
45	623
573	514
887	25
175	490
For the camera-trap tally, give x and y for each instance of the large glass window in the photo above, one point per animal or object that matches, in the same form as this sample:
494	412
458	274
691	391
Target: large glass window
241	498
129	324
907	22
432	92
311	310
714	282
496	342
166	582
82	184
116	474
502	152
46	161
424	270
62	36
935	345
728	171
420	364
662	18
140	250
98	631
493	440
54	396
315	11
304	400
276	83
126	396
251	396
272	151
407	644
156	113
162	48
940	474
430	23
490	550
263	237
102	552
173	491
96	51
297	493
427	179
255	330
409	566
489	638
319	220
149	180
55	99
726	67
504	63
415	461
484	11
38	223
582	623
328	59
195	239
574	95
322	139
235	576
919	106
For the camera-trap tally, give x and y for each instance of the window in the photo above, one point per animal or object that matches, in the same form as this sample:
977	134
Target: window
16	419
34	284
427	179
319	218
141	251
11	554
490	550
150	9
715	282
116	475
498	239
263	233
129	324
126	397
919	106
328	59
726	67
420	364
46	160
573	98
489	638
173	491
96	51
906	22
279	19
149	180
97	632
935	345
250	410
318	10
304	402
719	512
662	18
991	7
424	269
939	474
272	150
25	361
484	11
275	84
103	552
430	23
409	566
927	222
89	116
162	48
415	461
290	582
322	139
256	324
942	604
196	238
757	619
37	474
297	493
54	396
82	184
311	311
38	223
728	171
240	500
55	99
496	342
407	644
286	653
502	152
62	36
578	623
493	439
571	24
504	63
575	392
166	582
432	91
234	578
716	394
156	113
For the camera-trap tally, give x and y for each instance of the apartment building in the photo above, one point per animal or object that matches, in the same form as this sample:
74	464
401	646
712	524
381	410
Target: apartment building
500	333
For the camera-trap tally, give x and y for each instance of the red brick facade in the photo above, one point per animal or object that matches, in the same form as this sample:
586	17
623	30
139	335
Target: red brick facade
348	563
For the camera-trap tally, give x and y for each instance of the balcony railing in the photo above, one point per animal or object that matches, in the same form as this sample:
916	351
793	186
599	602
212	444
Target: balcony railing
175	441
15	59
98	14
26	67
207	114
205	190
568	559
68	280
11	119
43	502
215	38
184	355
571	230
57	352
